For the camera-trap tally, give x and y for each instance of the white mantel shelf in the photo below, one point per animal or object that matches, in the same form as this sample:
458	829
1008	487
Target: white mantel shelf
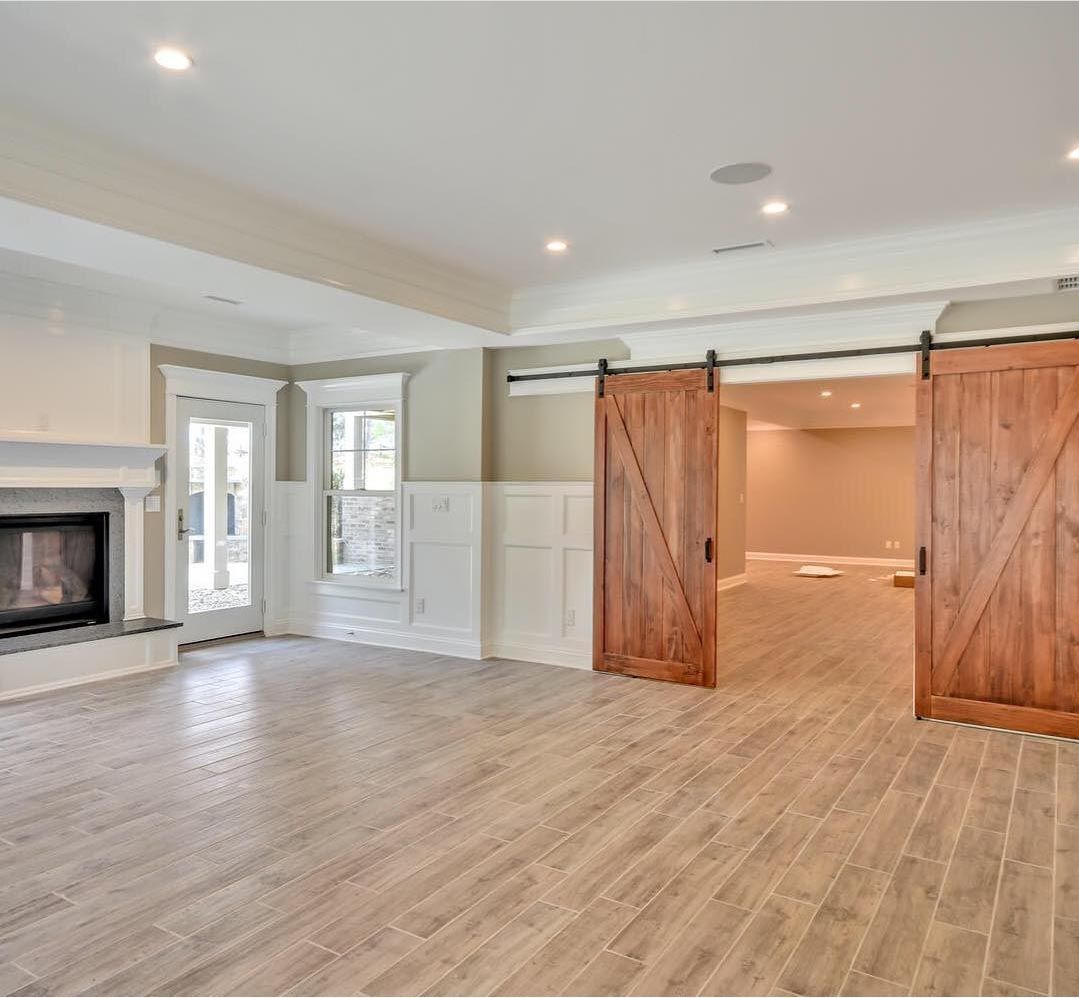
39	461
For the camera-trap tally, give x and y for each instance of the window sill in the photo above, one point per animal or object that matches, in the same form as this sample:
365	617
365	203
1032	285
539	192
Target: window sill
350	587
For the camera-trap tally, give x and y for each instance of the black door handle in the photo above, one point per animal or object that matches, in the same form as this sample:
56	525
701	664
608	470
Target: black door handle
921	561
708	549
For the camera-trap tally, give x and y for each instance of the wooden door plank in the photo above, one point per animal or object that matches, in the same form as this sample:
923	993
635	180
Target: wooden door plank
599	529
674	516
947	596
651	455
708	512
1056	723
1018	513
1066	624
631	415
1011	453
1037	548
1007	357
923	584
652	529
975	526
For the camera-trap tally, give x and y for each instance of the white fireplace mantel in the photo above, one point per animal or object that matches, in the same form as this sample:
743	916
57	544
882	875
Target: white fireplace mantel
40	461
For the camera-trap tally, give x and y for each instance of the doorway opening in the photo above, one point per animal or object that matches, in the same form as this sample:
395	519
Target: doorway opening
819	473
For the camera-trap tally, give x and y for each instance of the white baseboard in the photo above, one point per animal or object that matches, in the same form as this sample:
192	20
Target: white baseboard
405	640
829	559
544	655
97	677
275	628
730	582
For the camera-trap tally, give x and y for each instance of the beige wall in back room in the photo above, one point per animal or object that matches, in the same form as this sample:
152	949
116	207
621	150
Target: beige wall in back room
443	411
840	492
731	541
154	570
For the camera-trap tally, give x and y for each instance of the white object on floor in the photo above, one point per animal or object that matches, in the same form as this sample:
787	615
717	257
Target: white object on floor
817	572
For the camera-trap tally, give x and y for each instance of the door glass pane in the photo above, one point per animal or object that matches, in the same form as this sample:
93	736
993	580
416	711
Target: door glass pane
218	516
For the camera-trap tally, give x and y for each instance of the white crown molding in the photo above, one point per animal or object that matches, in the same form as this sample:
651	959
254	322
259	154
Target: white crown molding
194	382
320	345
929	262
61	170
355	391
879	326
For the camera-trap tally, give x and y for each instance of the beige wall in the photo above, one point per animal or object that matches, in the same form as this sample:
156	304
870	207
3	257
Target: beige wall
731	542
542	438
443	411
831	492
154	570
996	313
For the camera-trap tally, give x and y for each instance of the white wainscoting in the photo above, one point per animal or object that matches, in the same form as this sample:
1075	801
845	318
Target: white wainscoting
442	566
539	572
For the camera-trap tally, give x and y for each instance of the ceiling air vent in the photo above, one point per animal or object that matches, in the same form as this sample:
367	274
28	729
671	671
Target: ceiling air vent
1070	283
223	299
738	247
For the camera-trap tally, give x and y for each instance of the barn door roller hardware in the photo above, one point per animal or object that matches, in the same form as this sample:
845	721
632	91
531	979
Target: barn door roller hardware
924	347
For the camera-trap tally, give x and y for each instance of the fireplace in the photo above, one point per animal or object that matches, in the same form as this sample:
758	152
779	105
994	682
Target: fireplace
53	571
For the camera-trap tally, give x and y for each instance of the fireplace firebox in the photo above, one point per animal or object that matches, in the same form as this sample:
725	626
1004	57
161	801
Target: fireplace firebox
53	571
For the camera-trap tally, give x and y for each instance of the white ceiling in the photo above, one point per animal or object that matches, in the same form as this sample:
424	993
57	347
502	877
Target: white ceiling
473	132
886	401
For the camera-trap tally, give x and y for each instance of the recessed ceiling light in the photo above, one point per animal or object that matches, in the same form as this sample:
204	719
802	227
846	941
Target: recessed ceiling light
174	59
740	173
775	208
557	246
1074	154
856	405
826	394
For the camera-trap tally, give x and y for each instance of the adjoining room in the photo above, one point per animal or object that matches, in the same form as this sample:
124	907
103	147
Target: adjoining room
827	488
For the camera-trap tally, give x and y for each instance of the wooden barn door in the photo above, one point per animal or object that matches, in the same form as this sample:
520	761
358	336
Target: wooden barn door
998	607
655	536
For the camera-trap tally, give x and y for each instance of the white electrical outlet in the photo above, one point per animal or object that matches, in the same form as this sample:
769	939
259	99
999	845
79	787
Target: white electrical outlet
571	618
421	605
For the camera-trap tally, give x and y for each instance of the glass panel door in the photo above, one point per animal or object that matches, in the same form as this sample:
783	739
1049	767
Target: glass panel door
219	518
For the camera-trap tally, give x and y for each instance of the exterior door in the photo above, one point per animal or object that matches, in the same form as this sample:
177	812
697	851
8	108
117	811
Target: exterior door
655	530
219	528
998	605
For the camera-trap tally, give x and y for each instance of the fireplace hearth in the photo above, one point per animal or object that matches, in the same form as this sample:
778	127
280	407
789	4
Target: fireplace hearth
53	571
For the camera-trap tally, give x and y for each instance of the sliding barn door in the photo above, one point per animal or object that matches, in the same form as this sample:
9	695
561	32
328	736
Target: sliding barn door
655	500
998	607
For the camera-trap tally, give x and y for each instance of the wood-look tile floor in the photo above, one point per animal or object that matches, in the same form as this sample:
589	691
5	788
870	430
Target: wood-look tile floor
310	817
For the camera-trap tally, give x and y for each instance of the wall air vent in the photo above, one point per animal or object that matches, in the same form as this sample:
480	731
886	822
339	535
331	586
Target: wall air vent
738	247
223	299
1070	283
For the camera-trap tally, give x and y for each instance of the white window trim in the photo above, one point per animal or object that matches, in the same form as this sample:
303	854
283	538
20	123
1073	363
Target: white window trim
385	391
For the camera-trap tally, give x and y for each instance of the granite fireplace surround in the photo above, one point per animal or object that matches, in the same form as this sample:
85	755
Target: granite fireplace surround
17	501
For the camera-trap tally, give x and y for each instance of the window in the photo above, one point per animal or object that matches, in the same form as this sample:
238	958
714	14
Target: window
360	494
